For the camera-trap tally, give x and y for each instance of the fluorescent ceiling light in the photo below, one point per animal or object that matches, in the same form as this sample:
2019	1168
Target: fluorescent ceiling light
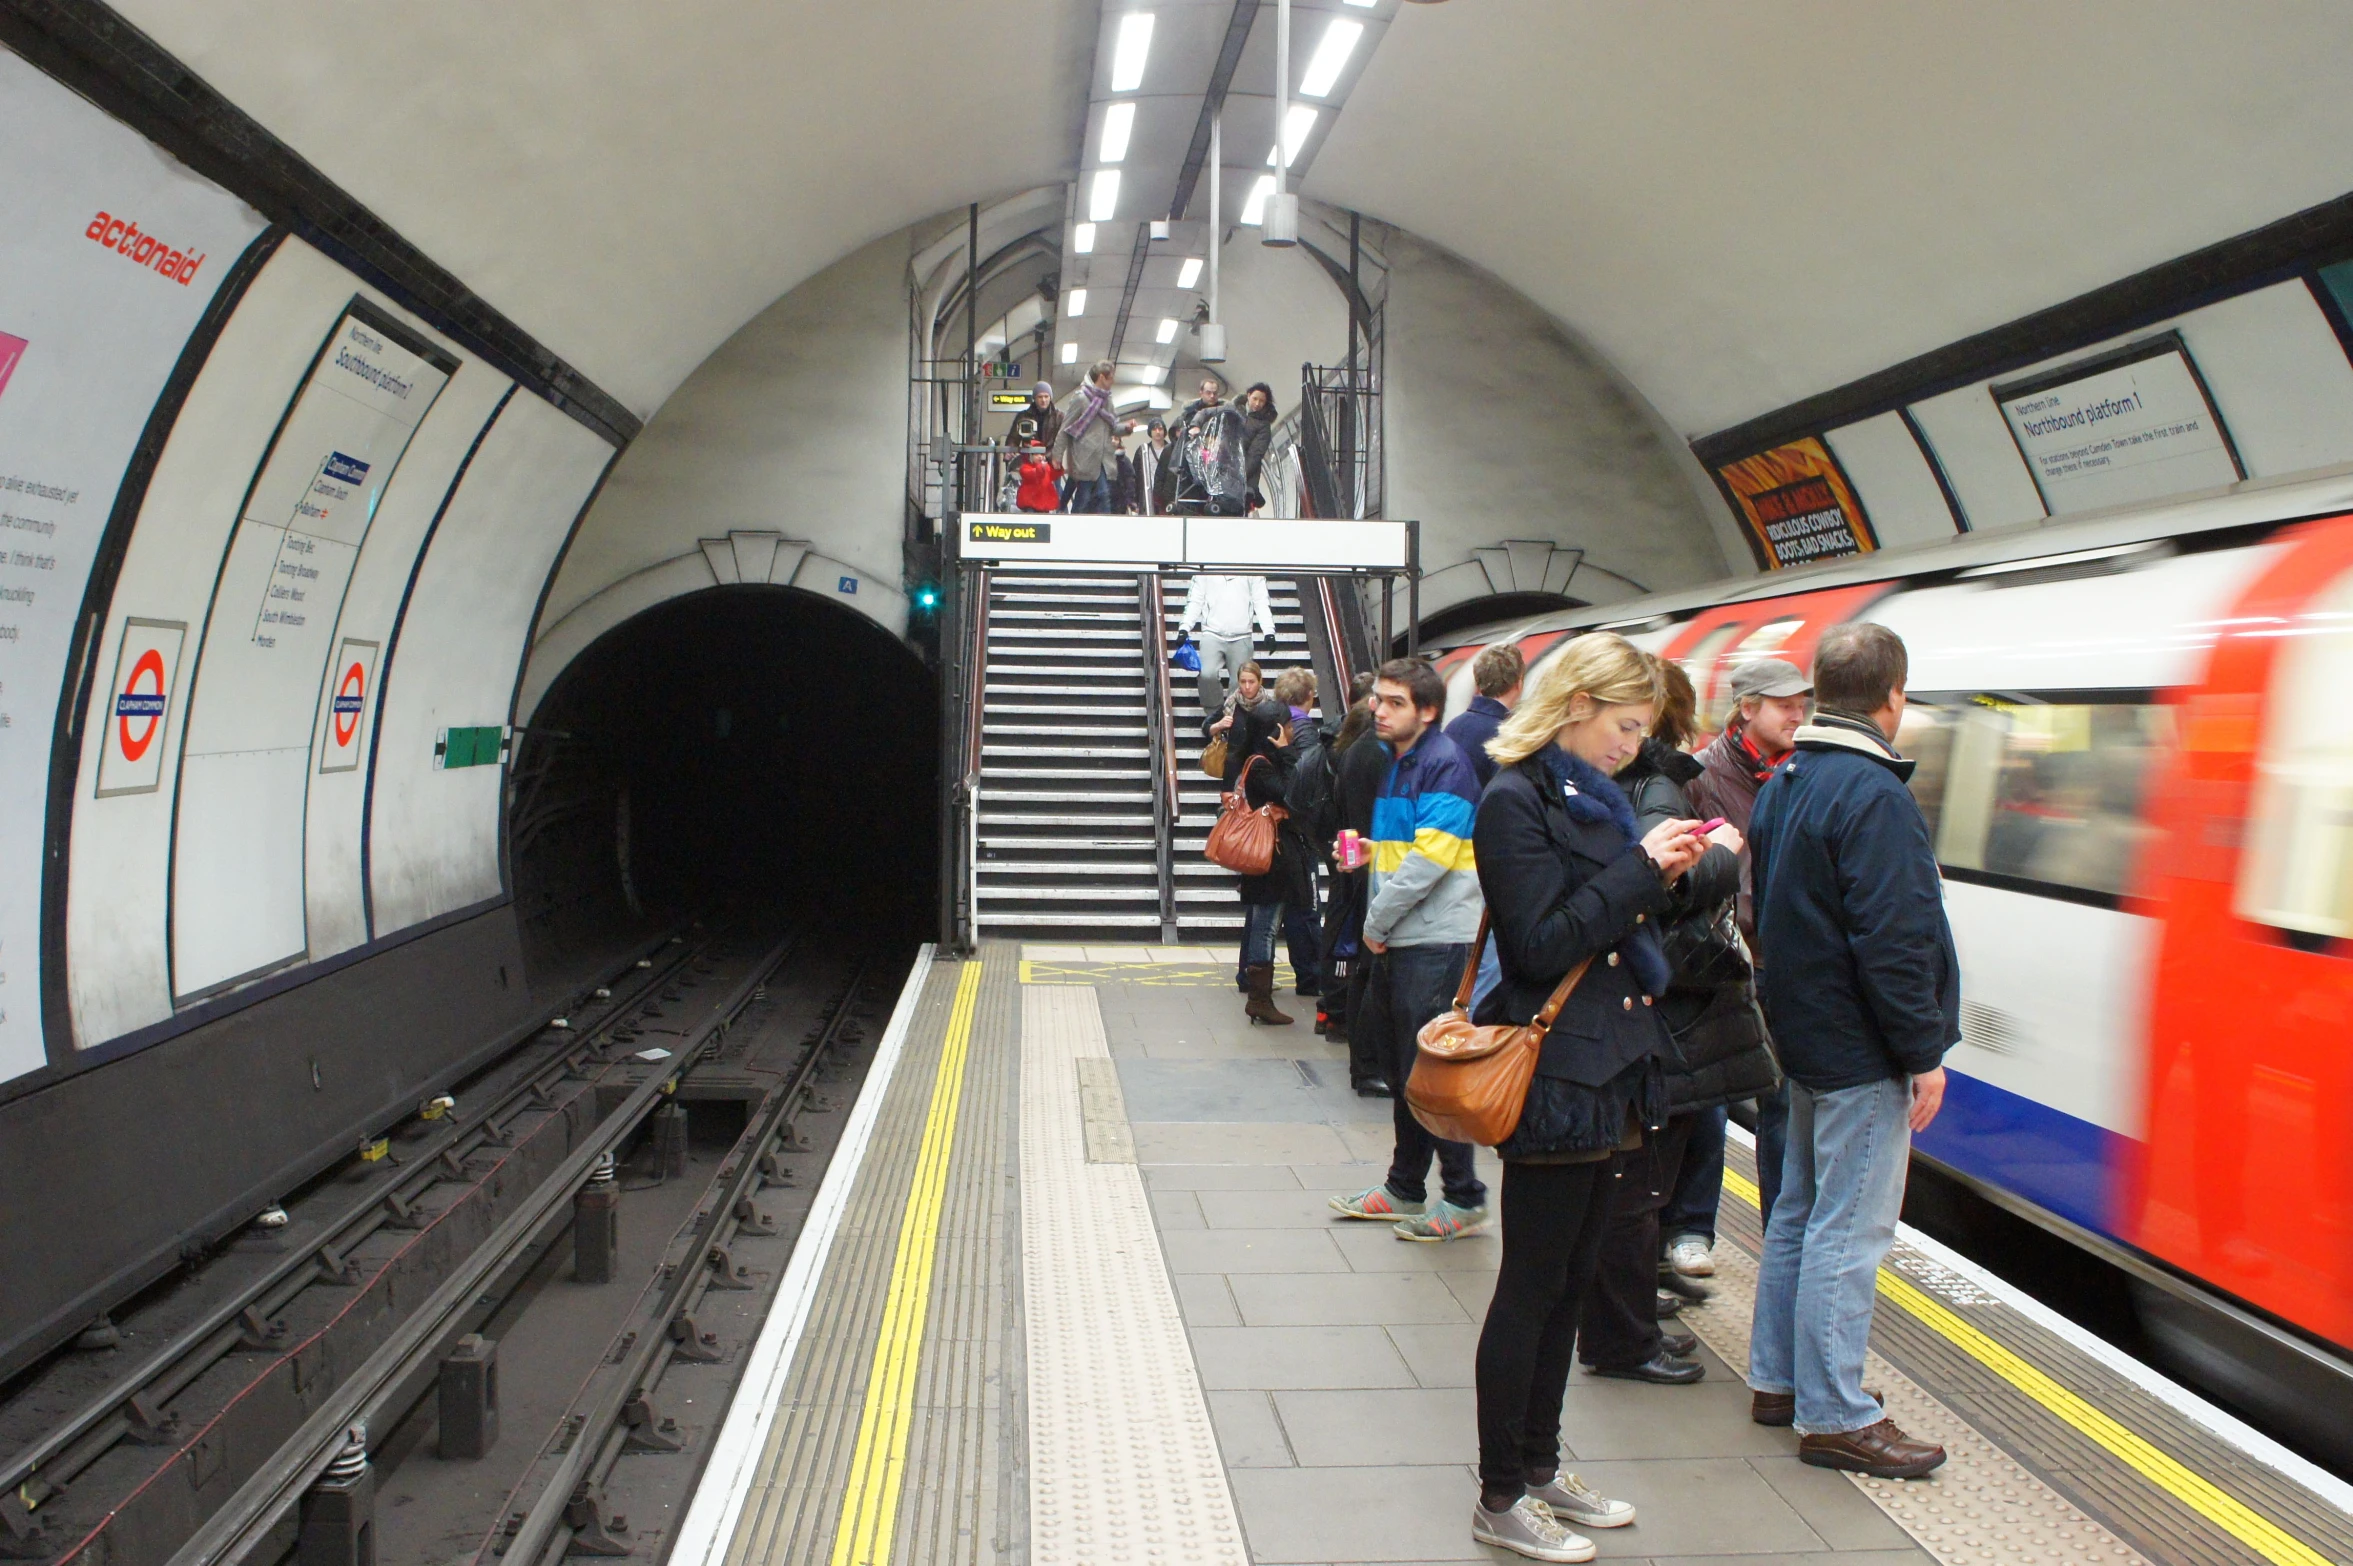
1330	59
1103	201
1189	273
1119	122
1151	373
1254	209
1082	239
1364	4
1078	302
1127	57
1296	125
1167	332
1070	353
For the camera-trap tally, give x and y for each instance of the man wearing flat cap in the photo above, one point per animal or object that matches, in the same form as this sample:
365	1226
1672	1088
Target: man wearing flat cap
1771	697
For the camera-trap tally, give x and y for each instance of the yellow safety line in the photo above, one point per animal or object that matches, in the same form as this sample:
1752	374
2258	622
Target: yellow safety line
878	1463
2191	1489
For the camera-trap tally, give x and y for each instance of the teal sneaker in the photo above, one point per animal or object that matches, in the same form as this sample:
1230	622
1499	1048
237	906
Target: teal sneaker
1443	1221
1376	1204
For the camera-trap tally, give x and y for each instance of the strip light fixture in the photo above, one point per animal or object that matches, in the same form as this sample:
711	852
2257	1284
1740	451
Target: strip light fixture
1103	199
1296	126
1189	273
1167	332
1330	59
1082	238
1078	302
1119	123
1129	54
1070	353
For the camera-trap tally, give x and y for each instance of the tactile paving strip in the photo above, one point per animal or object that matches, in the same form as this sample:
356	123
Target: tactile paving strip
1981	1506
1123	1463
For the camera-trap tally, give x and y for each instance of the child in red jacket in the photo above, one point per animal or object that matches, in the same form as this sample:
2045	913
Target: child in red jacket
1038	490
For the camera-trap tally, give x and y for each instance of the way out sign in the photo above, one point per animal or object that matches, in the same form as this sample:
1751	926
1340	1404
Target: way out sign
351	690
139	705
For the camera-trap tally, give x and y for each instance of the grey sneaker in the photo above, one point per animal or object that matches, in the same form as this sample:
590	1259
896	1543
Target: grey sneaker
1691	1256
1377	1204
1443	1221
1528	1529
1571	1501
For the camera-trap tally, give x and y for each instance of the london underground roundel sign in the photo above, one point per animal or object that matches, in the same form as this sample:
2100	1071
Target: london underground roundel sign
138	707
350	692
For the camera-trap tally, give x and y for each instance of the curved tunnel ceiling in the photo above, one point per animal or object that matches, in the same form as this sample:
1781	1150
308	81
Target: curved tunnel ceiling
631	184
1743	205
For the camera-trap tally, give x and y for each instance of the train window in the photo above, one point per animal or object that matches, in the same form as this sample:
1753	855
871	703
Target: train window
1927	737
2042	792
2298	871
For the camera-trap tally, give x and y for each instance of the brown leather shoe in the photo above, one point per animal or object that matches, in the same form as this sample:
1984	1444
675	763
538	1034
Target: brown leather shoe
1880	1450
1259	982
1779	1409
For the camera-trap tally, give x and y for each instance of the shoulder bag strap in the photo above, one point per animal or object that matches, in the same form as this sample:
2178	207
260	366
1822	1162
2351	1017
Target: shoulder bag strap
1470	969
1560	998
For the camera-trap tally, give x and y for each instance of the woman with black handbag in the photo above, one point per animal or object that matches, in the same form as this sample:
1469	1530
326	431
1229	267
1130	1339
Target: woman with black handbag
1567	878
1720	1054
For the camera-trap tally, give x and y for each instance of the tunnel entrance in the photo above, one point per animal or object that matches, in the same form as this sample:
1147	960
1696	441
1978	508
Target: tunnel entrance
745	744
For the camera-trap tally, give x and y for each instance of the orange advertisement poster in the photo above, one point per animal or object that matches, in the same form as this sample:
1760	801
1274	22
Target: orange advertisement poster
1798	505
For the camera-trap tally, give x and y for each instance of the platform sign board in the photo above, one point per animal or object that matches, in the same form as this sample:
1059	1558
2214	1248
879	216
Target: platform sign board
344	709
1302	543
1109	543
139	705
262	674
1072	540
2131	425
1797	505
110	253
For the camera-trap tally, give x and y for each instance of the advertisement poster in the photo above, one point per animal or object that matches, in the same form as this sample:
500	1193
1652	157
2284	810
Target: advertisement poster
109	255
256	691
1798	505
2132	425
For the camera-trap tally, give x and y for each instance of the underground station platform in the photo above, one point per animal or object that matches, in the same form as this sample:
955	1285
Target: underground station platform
1071	1293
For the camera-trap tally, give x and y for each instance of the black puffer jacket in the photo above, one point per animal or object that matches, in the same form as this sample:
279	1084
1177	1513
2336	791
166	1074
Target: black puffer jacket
1722	1052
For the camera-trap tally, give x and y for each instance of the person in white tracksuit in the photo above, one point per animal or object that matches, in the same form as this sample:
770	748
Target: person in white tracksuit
1225	610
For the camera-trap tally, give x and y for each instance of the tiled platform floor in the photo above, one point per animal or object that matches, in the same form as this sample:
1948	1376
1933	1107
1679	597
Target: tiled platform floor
1337	1359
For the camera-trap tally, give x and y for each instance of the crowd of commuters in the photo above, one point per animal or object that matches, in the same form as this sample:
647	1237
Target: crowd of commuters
1758	917
1076	455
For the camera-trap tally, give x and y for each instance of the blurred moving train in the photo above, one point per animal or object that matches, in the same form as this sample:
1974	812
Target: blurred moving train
2135	745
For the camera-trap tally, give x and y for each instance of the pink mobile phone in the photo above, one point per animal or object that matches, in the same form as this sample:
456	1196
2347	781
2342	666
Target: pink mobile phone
1706	827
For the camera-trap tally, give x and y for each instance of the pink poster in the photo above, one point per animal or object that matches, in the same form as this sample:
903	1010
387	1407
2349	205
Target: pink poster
11	350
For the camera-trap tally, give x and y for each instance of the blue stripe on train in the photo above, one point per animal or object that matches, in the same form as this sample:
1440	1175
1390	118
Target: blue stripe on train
2059	1163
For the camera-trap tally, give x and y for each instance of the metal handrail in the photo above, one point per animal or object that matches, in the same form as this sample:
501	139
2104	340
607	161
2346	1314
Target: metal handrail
1160	720
1336	635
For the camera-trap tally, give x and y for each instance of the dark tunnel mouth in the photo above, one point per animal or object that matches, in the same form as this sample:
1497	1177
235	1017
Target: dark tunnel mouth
742	744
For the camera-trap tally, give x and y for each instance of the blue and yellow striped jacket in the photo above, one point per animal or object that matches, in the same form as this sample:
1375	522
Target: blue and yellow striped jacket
1425	883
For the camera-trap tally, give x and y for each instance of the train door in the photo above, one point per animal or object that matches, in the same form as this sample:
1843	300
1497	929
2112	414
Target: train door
2246	1178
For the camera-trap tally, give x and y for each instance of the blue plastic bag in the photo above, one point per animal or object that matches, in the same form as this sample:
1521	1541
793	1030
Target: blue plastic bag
1186	656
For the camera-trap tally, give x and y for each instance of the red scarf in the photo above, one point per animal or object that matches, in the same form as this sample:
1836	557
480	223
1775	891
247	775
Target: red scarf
1758	767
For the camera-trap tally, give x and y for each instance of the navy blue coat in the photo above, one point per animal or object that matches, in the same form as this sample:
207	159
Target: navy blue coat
1860	980
1473	727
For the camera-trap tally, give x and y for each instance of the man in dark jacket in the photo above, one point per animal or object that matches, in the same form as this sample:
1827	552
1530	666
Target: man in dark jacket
1862	990
1497	673
1770	699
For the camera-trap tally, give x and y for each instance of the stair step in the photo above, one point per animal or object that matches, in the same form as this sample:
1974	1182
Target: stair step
1000	896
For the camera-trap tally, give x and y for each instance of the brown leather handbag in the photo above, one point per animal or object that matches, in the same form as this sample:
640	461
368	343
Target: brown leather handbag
1213	758
1470	1083
1243	840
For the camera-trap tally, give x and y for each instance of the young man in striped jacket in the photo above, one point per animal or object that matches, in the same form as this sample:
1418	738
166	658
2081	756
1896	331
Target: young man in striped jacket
1420	921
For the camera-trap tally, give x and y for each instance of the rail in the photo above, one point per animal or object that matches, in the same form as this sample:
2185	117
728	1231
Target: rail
1336	635
133	1406
974	688
1160	722
378	1386
569	1483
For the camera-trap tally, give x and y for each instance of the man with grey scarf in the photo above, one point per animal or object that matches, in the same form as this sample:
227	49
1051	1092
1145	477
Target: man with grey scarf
1088	449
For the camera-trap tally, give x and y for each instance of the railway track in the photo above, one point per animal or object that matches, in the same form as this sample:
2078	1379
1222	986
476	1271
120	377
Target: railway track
201	1449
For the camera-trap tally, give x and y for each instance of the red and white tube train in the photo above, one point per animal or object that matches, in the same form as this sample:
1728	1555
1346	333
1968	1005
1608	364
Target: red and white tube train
2135	737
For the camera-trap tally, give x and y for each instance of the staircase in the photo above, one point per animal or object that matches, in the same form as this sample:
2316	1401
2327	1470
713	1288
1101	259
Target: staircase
1065	846
1206	904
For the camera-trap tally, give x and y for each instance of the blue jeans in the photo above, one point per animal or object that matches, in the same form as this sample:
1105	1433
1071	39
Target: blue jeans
1259	923
1699	1183
1092	496
1842	1189
1772	1148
